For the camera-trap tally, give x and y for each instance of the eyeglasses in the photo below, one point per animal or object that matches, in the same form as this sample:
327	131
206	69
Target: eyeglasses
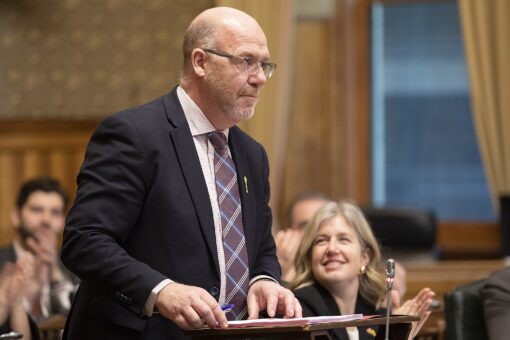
250	65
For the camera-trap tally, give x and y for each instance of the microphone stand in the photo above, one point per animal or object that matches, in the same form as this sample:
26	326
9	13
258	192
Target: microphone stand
389	282
390	275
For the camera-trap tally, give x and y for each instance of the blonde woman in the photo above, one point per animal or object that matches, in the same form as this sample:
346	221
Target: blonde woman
338	271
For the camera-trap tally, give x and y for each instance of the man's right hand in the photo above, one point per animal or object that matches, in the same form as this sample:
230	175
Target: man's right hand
190	307
43	244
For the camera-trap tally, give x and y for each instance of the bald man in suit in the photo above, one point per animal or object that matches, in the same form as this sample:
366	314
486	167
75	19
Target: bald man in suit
145	232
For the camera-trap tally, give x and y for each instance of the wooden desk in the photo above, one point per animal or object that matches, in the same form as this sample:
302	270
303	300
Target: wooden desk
400	327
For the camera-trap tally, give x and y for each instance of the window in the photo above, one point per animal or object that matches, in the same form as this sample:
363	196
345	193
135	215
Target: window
424	151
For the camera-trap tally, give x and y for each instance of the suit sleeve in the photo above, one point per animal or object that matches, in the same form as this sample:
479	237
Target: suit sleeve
112	185
496	295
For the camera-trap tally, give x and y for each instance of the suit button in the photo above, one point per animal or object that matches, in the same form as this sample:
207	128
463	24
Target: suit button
123	298
215	291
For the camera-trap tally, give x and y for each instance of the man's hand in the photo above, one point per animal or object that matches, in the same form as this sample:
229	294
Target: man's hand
270	296
395	300
22	277
190	307
44	245
287	244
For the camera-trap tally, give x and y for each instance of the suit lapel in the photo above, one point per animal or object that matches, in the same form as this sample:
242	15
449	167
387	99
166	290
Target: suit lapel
190	165
324	304
365	308
248	203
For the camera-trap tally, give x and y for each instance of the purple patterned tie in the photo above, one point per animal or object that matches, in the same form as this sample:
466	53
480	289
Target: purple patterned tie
236	257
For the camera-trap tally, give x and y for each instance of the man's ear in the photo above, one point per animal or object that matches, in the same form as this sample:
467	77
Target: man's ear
15	217
198	58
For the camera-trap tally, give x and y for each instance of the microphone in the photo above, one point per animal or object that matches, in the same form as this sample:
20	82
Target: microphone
390	273
390	276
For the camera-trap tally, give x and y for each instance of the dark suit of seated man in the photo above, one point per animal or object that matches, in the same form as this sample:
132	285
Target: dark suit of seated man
496	294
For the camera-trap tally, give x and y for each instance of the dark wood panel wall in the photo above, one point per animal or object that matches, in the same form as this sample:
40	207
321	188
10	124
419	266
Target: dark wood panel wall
38	148
84	59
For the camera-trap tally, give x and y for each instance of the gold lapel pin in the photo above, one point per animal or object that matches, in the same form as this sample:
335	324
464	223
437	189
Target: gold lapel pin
246	184
371	331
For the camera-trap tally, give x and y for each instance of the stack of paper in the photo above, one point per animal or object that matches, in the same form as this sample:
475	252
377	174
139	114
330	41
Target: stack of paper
293	322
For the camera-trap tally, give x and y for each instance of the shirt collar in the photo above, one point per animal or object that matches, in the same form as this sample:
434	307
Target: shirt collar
18	248
197	121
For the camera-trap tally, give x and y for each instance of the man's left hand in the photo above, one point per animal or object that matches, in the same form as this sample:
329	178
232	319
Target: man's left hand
274	299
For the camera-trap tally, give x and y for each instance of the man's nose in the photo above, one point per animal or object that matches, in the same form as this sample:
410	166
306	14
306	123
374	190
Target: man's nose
259	78
46	219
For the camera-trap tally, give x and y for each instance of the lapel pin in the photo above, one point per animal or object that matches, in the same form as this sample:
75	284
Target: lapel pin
371	331
246	184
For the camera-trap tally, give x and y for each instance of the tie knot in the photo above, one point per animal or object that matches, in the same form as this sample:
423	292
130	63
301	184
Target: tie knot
218	139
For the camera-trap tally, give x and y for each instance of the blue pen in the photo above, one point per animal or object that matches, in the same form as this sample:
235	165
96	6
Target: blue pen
227	308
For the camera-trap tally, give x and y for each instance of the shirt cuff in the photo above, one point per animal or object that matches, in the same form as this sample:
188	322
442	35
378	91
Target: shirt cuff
263	277
148	308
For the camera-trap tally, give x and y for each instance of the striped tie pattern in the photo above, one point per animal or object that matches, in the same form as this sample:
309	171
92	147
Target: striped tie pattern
236	256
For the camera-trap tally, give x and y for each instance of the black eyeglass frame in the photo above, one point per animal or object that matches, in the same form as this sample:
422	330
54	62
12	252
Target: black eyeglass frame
267	68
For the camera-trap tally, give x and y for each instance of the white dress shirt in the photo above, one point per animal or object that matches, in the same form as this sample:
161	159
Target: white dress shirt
200	126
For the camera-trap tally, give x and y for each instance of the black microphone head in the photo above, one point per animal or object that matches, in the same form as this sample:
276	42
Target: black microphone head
390	268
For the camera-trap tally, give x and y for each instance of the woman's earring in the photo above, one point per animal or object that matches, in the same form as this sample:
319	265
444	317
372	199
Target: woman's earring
362	270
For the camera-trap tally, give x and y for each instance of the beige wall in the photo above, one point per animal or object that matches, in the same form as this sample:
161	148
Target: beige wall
83	59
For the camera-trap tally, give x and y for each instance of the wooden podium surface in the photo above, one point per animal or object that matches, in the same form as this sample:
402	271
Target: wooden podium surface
400	327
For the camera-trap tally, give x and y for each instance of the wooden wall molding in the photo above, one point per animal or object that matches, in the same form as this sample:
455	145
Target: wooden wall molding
36	148
469	240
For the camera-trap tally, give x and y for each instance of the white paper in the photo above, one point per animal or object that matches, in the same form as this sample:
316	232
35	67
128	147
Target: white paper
293	322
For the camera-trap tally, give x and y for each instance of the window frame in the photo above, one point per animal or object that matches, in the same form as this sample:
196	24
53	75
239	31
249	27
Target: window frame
352	28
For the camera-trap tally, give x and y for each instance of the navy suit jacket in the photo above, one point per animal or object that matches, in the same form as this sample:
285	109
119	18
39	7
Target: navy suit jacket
143	214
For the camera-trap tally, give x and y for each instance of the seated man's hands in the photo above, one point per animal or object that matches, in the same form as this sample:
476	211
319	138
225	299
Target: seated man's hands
273	298
190	307
395	300
43	244
287	244
14	279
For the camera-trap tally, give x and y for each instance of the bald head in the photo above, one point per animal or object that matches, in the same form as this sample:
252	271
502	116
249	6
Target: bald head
211	29
225	51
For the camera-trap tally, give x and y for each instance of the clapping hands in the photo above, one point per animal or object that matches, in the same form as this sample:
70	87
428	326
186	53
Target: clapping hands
419	306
